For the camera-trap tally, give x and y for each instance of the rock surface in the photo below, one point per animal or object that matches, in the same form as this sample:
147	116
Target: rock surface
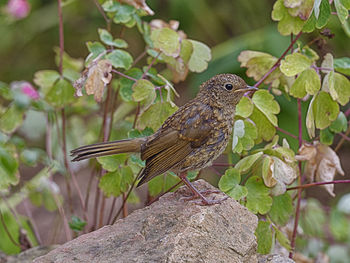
170	230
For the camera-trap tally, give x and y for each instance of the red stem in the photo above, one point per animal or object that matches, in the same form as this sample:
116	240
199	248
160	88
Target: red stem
318	183
278	61
123	75
344	136
297	211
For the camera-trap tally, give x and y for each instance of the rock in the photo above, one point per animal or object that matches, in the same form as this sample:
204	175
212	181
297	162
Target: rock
274	259
28	255
170	230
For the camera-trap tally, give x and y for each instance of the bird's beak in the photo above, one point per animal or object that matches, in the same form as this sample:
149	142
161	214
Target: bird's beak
248	91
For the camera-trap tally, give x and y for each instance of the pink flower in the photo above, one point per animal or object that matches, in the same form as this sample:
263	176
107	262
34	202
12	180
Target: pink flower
28	89
18	8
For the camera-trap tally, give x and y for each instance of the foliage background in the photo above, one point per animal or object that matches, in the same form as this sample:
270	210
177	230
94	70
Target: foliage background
228	27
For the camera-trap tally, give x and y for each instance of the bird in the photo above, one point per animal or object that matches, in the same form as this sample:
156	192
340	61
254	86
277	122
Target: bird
190	139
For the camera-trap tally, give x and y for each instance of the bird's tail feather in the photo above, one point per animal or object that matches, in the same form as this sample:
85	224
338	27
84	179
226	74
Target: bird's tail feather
107	148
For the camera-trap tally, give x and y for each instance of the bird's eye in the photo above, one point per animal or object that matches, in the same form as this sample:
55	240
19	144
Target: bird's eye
228	86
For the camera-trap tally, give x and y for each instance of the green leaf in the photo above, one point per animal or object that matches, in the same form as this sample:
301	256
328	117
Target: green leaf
156	114
8	169
229	183
126	84
247	162
294	64
112	162
313	219
186	50
200	57
30	157
11	119
325	110
342	65
245	107
107	38
325	13
245	142
143	89
110	183
282	239
326	137
68	63
155	185
310	118
342	12
96	49
258	64
281	209
45	79
120	59
287	24
258	199
339	225
123	13
308	82
61	94
263	234
265	129
339	87
265	102
76	224
340	124
310	24
166	40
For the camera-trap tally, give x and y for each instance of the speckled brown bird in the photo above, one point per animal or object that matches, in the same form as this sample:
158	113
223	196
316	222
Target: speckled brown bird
190	139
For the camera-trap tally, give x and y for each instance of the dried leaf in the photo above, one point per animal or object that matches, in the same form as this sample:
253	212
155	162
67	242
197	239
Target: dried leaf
322	163
97	76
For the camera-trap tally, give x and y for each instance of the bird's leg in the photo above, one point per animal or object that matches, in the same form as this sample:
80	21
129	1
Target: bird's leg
197	193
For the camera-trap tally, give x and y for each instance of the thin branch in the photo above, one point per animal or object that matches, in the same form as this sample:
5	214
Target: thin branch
150	65
347	113
344	136
64	218
278	61
287	133
124	201
297	211
144	53
125	207
317	184
99	8
223	164
32	221
160	195
123	75
340	143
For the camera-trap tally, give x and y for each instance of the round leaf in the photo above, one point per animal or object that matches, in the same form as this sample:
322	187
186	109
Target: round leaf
294	64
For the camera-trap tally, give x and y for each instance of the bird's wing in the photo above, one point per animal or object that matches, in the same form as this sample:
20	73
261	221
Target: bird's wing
180	134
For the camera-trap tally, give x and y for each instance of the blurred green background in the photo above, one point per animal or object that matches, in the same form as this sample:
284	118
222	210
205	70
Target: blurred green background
228	27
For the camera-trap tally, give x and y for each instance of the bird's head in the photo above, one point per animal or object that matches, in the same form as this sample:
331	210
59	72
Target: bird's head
225	90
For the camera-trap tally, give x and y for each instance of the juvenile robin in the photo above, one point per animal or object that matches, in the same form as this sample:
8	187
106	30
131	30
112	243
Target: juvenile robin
190	139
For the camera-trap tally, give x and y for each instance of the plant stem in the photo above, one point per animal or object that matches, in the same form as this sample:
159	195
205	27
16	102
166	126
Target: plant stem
124	75
286	132
64	218
150	65
31	220
340	143
223	164
125	207
297	210
318	183
144	53
278	61
99	8
160	195
124	201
